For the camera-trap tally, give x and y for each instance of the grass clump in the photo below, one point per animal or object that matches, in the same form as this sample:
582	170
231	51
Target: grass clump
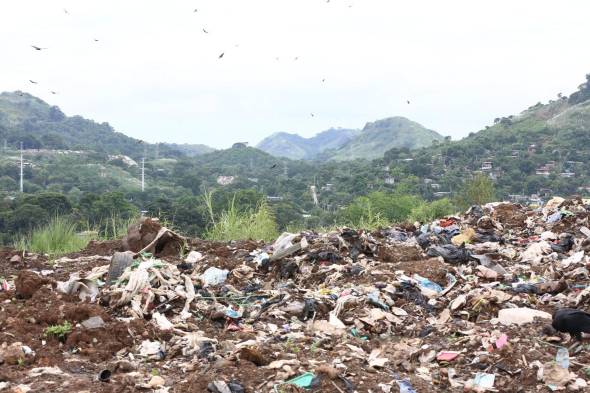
59	331
58	237
233	224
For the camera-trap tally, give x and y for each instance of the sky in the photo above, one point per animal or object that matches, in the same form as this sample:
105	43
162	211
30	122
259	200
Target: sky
299	66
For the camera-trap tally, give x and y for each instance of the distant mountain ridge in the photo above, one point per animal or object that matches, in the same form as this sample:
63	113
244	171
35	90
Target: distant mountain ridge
348	144
38	125
296	147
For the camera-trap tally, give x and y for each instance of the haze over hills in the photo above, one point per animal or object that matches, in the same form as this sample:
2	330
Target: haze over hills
28	119
348	144
296	147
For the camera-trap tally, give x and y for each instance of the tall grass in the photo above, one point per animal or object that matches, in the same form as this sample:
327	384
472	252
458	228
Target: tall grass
58	237
115	227
232	224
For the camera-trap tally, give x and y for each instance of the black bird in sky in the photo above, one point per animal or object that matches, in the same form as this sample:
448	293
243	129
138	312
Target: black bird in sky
66	11
312	115
408	101
95	40
273	166
572	321
205	31
37	47
221	55
195	10
324	79
53	92
32	81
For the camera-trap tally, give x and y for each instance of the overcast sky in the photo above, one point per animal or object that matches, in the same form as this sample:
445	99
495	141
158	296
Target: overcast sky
155	75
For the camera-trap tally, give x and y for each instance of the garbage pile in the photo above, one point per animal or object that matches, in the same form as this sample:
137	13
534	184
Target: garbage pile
464	303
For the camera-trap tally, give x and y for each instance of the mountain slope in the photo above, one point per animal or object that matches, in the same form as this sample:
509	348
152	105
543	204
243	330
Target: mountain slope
28	119
544	150
293	146
382	135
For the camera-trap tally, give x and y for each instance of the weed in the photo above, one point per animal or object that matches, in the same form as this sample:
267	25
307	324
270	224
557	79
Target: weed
231	224
59	331
58	237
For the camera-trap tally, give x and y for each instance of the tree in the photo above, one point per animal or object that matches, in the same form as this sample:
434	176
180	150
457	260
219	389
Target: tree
477	191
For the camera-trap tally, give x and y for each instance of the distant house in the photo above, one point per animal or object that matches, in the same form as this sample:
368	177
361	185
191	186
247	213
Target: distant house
515	153
239	145
486	166
389	180
567	174
543	171
274	198
225	180
532	149
435	186
441	194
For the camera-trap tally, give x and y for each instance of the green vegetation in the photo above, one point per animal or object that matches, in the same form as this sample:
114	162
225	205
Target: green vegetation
295	147
233	224
59	331
543	151
57	237
429	211
477	191
380	136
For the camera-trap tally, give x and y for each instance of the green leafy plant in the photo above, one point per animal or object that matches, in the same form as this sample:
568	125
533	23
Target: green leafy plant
59	331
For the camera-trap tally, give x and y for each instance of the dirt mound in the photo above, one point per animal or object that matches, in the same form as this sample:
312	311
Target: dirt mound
28	282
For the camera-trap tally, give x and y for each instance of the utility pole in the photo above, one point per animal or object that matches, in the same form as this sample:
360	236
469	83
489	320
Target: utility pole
143	169
21	167
142	174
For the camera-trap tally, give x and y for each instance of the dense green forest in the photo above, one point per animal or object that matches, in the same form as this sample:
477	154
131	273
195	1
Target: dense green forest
541	152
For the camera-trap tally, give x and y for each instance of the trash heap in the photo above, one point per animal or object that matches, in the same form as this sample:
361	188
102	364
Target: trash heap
463	303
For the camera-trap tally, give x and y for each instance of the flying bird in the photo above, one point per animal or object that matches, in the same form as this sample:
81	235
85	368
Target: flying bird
205	31
296	58
273	166
195	10
32	81
312	115
572	321
37	47
66	11
52	92
221	55
95	40
323	79
408	101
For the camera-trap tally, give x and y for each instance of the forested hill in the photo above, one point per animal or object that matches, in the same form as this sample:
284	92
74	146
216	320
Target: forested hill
342	144
296	147
543	150
28	119
382	135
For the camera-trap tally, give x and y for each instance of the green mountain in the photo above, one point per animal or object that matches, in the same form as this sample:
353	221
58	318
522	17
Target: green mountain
382	135
191	150
544	150
293	146
38	125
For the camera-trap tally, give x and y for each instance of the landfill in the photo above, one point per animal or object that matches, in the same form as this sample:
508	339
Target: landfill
463	303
